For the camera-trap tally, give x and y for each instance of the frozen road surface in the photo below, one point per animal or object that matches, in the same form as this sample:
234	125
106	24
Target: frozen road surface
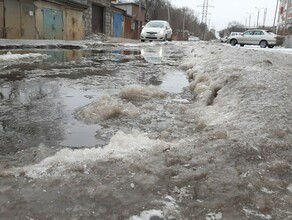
153	131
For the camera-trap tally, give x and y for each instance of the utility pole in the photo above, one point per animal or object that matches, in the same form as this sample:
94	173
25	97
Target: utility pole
205	10
204	15
265	14
249	18
277	5
168	14
245	24
184	18
139	19
286	17
259	9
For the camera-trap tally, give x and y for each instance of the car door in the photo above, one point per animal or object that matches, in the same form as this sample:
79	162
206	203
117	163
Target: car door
246	38
257	37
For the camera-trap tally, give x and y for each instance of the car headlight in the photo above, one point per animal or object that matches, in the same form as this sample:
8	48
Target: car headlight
143	31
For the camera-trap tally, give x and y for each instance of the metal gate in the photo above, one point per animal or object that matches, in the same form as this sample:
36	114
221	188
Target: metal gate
118	24
53	23
27	21
97	19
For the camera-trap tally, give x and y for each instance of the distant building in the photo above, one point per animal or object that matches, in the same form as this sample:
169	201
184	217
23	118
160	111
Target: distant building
284	24
134	18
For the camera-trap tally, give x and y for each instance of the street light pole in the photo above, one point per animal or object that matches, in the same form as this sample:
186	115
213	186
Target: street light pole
249	18
139	18
184	17
168	15
265	14
277	5
259	9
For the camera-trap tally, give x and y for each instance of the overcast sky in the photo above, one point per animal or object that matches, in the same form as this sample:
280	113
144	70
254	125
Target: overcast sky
225	11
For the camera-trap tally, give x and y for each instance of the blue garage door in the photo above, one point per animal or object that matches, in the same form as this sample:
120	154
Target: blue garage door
53	23
118	29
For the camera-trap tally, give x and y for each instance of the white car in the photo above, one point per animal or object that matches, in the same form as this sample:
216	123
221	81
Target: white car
255	37
156	30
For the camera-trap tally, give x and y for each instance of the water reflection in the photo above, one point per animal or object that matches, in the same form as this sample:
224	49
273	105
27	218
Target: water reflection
61	56
64	55
23	94
174	81
153	54
30	111
77	134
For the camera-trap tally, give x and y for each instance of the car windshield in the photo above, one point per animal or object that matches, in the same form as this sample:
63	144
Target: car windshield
155	24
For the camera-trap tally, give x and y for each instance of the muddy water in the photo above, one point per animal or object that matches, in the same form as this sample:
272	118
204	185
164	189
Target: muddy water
39	97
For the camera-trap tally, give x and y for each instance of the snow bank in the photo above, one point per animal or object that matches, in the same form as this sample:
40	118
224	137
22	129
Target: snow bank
137	92
68	160
13	57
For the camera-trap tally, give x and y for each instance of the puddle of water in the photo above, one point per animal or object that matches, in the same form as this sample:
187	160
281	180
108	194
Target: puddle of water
57	55
174	81
78	134
153	55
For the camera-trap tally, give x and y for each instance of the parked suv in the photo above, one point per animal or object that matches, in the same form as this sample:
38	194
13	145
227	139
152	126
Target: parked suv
263	38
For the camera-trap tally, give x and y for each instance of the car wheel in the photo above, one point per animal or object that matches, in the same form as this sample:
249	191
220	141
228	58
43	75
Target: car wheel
270	46
263	44
142	40
242	45
170	39
233	42
165	38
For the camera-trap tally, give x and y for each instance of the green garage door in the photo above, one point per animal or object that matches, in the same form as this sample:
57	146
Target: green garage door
53	23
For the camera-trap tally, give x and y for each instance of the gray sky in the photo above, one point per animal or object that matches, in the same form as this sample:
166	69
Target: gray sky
225	11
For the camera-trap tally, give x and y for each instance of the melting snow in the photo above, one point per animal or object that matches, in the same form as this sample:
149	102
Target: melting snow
121	145
12	57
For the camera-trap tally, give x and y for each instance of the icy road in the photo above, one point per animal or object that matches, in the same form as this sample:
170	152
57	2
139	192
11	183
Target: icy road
154	131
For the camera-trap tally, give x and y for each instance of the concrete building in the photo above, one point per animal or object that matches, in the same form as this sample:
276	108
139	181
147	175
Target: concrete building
284	24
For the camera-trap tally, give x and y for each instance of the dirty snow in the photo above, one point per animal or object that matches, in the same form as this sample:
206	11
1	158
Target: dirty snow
138	92
61	164
220	149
